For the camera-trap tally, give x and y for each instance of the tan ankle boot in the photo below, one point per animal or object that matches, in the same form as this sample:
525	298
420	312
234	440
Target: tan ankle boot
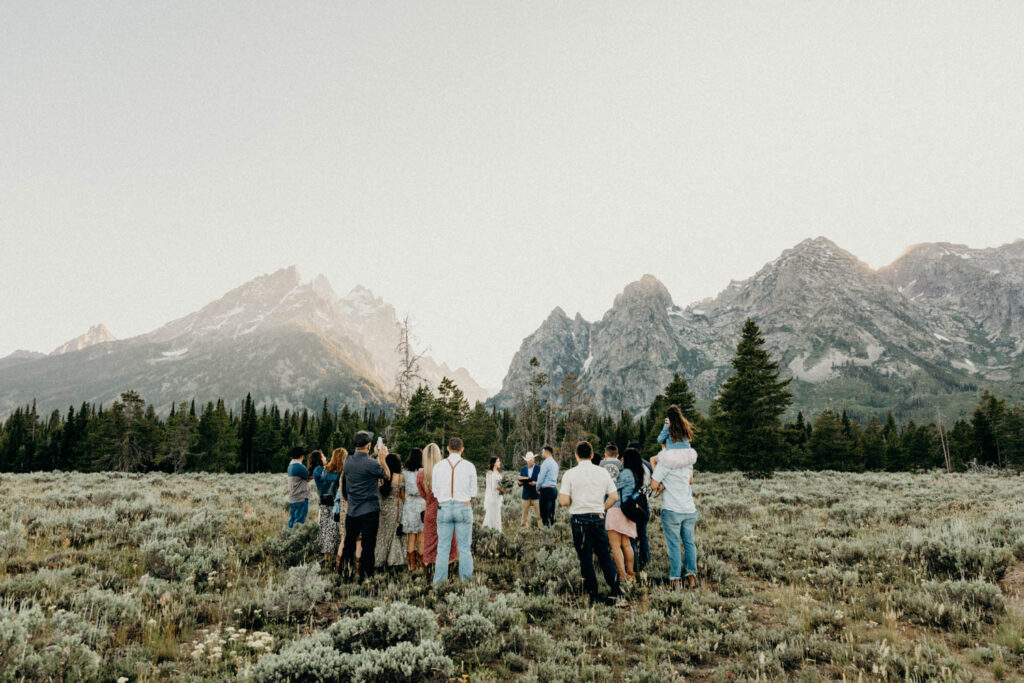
412	561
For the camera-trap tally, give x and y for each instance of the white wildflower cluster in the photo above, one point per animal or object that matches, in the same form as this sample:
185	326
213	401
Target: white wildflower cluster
227	645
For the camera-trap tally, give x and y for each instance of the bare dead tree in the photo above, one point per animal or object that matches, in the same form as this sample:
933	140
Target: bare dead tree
943	441
409	370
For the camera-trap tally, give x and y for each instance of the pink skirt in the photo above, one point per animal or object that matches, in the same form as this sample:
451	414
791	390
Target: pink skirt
615	520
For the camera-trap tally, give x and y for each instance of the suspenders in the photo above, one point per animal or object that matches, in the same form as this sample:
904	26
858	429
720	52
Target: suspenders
450	465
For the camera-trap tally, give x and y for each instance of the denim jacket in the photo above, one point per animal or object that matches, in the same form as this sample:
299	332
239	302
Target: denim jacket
626	485
669	443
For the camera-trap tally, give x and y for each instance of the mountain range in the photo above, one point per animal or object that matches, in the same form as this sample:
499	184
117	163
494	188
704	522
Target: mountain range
282	339
920	336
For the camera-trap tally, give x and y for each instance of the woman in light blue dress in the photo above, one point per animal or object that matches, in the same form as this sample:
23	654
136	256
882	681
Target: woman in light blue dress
413	509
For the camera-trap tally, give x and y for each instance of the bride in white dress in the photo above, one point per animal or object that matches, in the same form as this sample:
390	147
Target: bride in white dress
493	495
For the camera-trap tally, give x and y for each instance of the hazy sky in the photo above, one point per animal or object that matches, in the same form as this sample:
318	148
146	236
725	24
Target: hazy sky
478	163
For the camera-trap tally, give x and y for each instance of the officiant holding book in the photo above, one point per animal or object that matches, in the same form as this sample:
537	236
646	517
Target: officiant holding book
531	496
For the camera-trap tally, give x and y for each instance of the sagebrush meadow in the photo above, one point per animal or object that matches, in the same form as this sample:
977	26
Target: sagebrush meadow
813	576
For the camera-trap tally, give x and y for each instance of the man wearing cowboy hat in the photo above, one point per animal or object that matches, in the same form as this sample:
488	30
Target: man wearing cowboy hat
531	496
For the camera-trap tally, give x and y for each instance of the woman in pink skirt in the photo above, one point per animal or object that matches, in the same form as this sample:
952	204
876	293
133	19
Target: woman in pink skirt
431	456
619	527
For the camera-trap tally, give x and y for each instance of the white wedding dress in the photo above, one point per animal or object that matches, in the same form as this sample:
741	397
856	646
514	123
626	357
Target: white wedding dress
492	501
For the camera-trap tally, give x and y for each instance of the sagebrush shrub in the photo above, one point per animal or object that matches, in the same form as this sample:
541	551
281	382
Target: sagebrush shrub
303	588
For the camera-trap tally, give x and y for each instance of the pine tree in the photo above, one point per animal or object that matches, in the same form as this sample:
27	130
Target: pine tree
451	409
830	446
325	430
751	403
873	444
480	434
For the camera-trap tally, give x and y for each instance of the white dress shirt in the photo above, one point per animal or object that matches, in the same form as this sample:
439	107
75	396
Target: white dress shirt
588	485
464	479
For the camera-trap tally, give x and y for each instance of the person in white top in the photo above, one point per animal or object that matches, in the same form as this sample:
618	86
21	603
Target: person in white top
588	491
493	493
454	484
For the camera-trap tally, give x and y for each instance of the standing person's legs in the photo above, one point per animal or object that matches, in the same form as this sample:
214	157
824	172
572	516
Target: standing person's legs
348	552
599	539
547	505
688	526
464	536
292	514
671	523
445	531
628	556
370	523
526	512
585	553
615	540
536	506
643	544
303	512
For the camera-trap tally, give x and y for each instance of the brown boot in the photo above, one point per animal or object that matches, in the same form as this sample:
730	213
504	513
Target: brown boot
691	581
412	561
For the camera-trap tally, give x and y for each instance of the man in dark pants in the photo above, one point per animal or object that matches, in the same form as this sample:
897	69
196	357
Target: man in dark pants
360	484
588	491
547	485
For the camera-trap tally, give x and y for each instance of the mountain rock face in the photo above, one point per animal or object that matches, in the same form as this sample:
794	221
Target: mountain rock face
97	334
981	289
20	356
922	334
277	337
376	323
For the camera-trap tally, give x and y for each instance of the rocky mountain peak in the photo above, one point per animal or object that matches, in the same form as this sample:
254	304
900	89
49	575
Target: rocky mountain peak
97	334
648	290
556	317
322	287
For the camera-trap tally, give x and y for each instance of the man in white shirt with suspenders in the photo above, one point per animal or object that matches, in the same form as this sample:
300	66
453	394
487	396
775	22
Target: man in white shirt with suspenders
454	484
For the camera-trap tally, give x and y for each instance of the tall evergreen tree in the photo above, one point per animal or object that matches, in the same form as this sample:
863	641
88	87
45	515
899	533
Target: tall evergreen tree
751	403
830	446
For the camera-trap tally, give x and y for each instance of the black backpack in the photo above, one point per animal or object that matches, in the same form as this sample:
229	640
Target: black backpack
635	507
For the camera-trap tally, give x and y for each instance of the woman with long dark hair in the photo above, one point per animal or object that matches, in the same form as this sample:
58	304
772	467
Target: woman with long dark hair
390	551
622	529
413	508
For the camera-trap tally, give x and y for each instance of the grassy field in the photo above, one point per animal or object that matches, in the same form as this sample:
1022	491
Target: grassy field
806	576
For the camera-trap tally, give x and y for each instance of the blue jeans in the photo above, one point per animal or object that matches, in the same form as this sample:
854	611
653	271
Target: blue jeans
590	538
297	513
454	518
680	526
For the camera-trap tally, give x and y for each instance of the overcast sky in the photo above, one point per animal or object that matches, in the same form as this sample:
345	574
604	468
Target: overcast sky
478	163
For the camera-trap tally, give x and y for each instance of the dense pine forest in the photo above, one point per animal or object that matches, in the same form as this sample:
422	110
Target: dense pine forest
743	429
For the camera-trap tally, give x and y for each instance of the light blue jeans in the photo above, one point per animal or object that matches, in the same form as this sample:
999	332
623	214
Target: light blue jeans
679	526
454	518
297	513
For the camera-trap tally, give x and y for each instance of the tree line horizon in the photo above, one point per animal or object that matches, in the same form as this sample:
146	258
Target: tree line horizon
742	430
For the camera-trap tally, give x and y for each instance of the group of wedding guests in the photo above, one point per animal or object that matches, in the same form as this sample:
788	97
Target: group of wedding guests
377	511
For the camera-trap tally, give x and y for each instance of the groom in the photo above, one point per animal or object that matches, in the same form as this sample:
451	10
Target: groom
531	496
